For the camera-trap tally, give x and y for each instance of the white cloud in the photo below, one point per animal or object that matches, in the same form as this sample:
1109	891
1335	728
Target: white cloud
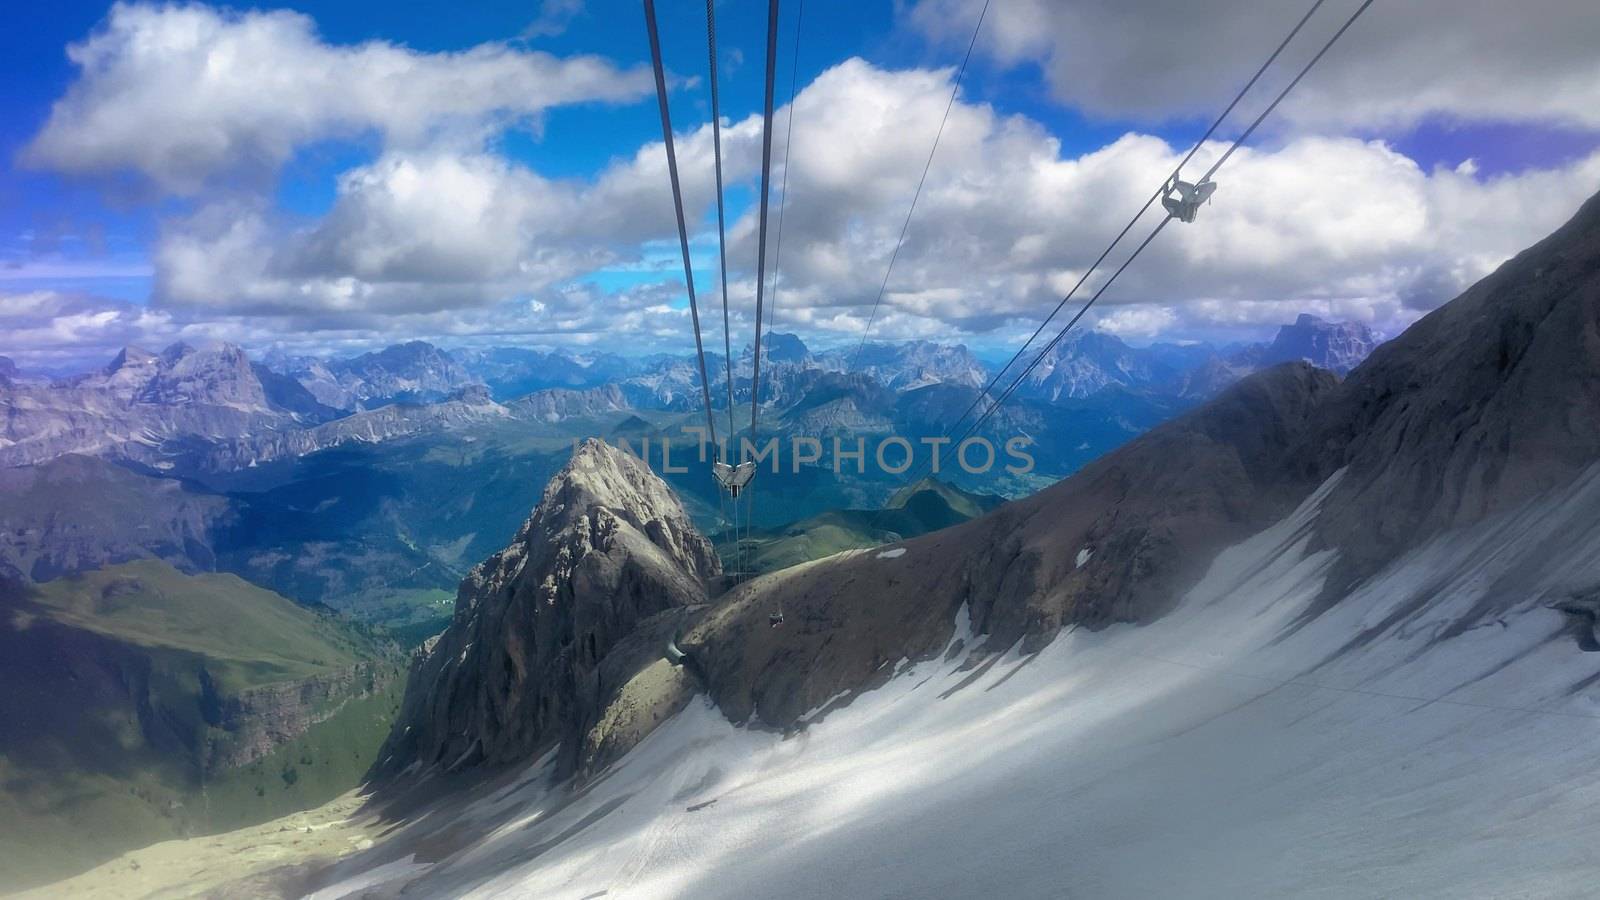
181	93
47	328
54	331
407	233
1533	61
554	17
1136	321
439	236
1005	225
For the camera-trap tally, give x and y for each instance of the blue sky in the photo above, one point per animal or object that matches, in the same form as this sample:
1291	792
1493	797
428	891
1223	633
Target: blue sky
327	226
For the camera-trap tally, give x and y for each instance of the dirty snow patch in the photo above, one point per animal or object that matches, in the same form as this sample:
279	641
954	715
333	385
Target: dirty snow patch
896	553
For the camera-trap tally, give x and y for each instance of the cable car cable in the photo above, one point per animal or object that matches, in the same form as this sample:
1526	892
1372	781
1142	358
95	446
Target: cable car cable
1209	172
677	204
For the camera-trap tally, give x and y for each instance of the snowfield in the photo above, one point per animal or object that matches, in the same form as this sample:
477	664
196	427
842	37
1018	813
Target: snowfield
1432	734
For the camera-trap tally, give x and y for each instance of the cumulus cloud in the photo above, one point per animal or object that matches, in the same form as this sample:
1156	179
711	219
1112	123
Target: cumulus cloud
440	236
60	332
1155	59
1007	222
179	94
1005	225
48	328
409	232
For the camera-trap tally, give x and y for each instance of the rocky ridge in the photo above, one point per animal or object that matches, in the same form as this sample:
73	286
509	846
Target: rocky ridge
1488	402
548	631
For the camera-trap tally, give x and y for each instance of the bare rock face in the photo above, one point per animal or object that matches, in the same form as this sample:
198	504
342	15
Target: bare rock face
546	630
137	404
1479	406
1335	346
559	404
1490	401
1116	542
252	723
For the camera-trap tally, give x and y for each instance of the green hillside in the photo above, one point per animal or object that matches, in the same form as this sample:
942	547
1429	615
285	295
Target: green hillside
247	636
143	704
916	509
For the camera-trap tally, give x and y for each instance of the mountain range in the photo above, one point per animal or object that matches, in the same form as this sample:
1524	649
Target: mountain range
1309	631
213	407
1241	653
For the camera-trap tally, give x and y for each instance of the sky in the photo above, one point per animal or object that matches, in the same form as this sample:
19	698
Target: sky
325	177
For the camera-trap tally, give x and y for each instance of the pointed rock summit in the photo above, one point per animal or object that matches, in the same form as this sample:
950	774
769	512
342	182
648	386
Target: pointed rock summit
1335	346
549	629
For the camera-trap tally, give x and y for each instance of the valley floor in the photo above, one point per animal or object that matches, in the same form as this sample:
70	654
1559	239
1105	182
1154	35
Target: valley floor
1433	734
260	861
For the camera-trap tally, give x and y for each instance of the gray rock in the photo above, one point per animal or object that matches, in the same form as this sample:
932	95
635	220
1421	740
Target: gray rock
560	404
519	670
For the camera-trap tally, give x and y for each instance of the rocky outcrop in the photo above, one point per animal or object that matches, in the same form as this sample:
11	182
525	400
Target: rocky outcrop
549	630
1114	543
1335	346
469	406
1480	405
250	724
560	404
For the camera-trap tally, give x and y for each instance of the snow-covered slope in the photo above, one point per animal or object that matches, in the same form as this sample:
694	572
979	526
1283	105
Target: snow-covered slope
1316	637
1218	752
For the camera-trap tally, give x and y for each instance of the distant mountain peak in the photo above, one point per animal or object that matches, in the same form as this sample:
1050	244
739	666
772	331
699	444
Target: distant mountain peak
781	347
1336	346
176	351
129	355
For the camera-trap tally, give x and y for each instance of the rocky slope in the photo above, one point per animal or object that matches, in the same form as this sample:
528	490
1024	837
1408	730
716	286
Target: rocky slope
143	704
141	403
1115	542
469	406
547	632
1487	401
77	513
560	404
1335	346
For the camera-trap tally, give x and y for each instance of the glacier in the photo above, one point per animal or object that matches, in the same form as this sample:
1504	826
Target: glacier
1433	733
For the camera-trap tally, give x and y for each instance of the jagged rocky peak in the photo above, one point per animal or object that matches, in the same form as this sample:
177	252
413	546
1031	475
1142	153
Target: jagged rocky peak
547	631
130	355
1335	346
781	347
475	394
556	404
218	374
1088	362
